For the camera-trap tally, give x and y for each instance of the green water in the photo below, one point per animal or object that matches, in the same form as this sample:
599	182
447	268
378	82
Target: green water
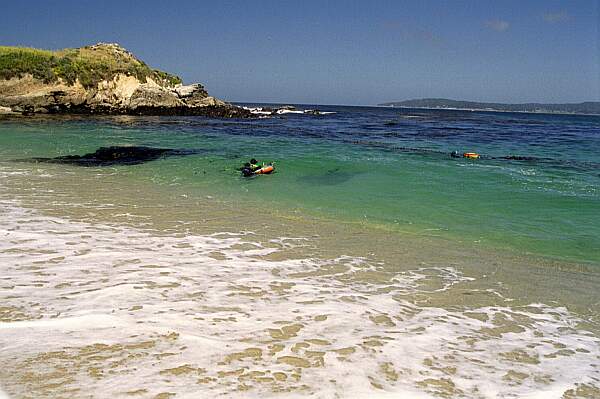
329	168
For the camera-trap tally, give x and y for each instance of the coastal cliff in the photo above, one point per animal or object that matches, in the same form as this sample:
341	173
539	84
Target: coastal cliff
101	79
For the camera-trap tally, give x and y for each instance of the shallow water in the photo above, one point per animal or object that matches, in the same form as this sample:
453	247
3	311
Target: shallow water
159	279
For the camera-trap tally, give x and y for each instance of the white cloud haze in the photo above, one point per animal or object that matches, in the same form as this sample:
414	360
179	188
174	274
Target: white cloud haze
497	25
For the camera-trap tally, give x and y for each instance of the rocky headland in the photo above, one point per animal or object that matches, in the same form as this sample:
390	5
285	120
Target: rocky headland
101	79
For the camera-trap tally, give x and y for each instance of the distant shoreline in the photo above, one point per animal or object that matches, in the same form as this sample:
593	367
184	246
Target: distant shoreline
489	110
581	108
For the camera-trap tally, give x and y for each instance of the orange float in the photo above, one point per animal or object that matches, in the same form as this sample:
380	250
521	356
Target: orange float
265	170
471	155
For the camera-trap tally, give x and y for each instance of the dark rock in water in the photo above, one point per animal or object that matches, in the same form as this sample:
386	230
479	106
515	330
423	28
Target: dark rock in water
116	155
211	111
519	158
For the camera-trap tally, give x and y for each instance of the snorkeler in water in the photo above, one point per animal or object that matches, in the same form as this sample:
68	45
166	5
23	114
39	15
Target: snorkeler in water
253	167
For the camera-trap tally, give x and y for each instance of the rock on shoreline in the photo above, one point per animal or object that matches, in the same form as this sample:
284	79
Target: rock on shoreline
119	93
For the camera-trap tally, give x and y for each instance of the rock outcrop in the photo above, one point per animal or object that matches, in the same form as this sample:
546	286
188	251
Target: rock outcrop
60	82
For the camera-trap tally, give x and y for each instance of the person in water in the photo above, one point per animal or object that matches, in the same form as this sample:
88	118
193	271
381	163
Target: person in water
250	168
254	166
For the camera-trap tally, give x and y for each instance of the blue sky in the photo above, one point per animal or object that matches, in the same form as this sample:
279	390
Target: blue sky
340	52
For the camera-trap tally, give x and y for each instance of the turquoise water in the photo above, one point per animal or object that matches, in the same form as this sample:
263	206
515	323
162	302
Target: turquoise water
385	168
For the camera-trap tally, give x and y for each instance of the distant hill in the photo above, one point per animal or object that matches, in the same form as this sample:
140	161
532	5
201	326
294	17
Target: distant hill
589	107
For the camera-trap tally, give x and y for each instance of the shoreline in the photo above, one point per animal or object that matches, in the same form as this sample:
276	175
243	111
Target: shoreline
190	284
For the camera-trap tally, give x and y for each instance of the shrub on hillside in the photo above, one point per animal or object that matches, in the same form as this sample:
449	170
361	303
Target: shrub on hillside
89	65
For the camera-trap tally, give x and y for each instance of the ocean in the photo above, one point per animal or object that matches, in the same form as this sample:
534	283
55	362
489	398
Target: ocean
370	264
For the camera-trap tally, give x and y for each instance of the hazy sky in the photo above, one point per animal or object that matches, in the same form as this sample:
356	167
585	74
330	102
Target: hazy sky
339	52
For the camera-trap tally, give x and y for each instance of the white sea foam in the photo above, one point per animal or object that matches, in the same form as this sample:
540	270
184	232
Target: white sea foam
282	111
257	110
112	309
412	116
289	111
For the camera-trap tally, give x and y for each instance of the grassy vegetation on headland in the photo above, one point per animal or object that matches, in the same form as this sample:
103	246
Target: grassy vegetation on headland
89	65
